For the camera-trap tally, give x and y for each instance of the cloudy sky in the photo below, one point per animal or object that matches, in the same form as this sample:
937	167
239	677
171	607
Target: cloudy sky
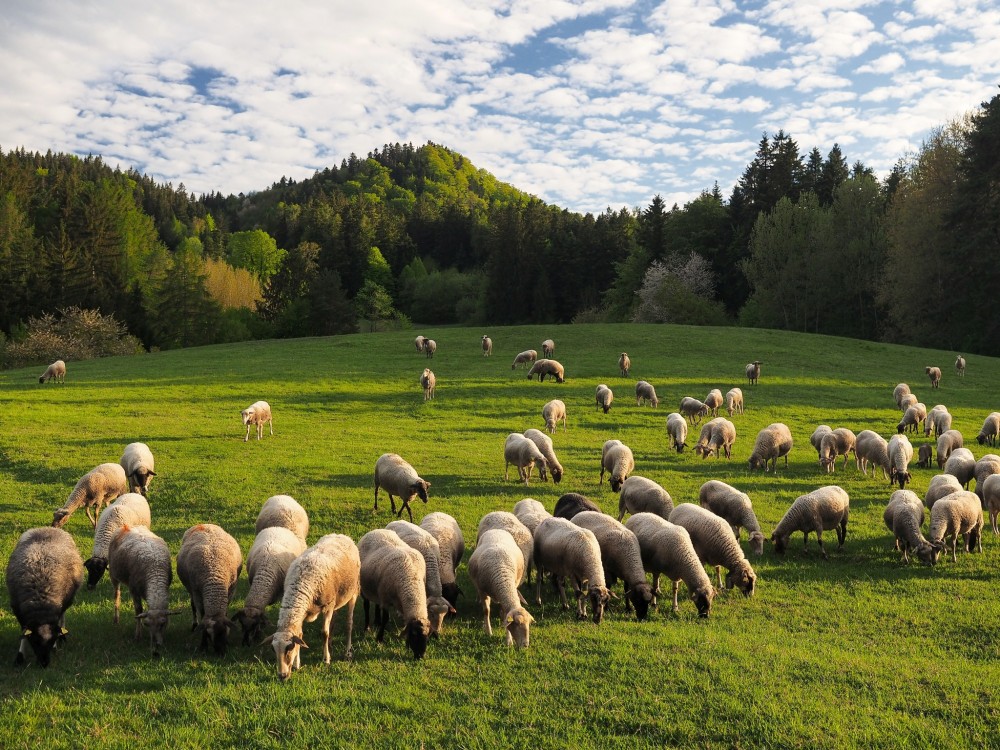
584	103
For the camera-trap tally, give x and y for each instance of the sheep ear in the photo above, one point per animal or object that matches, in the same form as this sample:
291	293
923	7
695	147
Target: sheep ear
267	641
299	641
142	615
612	594
509	619
152	473
452	610
27	632
63	631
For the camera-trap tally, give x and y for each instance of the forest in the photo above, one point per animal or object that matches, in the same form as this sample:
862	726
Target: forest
420	236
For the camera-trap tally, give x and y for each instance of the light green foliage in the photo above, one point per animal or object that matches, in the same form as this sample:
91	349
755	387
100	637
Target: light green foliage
256	251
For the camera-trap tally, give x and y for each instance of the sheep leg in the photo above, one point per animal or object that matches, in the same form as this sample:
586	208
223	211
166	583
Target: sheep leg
561	586
581	601
677	588
248	433
376	495
486	615
841	533
270	424
137	603
819	538
993	521
118	601
366	606
325	632
349	651
601	480
382	615
718	571
406	505
538	587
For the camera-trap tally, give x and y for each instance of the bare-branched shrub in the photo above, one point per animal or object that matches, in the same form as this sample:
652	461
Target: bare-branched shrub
679	290
72	334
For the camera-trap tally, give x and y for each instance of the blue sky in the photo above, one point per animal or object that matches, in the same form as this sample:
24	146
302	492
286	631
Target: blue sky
584	103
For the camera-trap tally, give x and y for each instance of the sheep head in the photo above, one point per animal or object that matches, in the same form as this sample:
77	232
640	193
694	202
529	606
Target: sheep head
286	651
780	543
252	623
156	622
417	632
518	625
419	488
757	543
215	631
743	578
42	640
95	570
703	601
599	597
641	595
437	608
60	517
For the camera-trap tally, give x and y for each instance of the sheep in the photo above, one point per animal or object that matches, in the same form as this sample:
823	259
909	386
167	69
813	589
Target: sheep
753	372
644	391
820	510
399	479
641	495
925	454
667	548
617	460
259	414
904	515
451	544
97	487
985	467
495	567
140	559
548	347
734	401
991	429
693	409
677	431
131	509
957	513
912	418
723	436
522	535
960	366
947	442
544	444
530	512
268	560
624	364
816	439
56	372
209	563
900	455
392	577
735	508
839	442
419	343
603	397
701	447
773	442
424	542
940	486
550	367
934	373
908	400
487	345
43	574
522	453
324	578
524	358
713	540
430	346
428	382
962	465
553	413
713	401
898	392
137	461
872	448
621	558
938	420
569	551
991	498
572	503
285	511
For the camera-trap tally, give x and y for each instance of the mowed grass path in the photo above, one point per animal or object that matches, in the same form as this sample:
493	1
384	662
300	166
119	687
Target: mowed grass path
857	651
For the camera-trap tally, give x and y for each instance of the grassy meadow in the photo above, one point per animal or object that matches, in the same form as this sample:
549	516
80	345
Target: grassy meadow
857	651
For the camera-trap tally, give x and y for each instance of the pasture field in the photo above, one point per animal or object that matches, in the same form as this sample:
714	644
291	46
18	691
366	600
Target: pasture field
857	651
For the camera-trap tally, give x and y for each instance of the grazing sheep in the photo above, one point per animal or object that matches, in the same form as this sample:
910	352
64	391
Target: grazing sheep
641	495
621	558
912	418
753	372
284	511
525	358
991	429
900	455
424	542
947	442
701	447
273	550
209	564
572	503
553	413
603	397
43	574
677	431
773	442
839	442
816	439
55	372
898	392
713	540
693	409
925	454
934	373
735	508
908	400
259	414
713	401
137	461
451	544
872	448
957	513
487	345
141	560
985	467
820	510
131	509
430	346
428	382
940	486
522	535
734	401
617	460
419	343
667	548
723	436
991	498
522	453
548	367
548	347
624	364
962	465
938	420
960	365
530	512
544	444
401	480
904	515
496	567
569	551
644	391
320	581
97	487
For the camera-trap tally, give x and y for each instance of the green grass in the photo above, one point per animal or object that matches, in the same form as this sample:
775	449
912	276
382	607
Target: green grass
858	651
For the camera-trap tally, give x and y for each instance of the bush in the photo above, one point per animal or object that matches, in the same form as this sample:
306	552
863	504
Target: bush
680	292
73	334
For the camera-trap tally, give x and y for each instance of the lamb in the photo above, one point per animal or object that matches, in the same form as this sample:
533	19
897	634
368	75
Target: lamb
603	397
324	578
957	513
392	577
553	413
544	444
137	461
985	467
934	373
624	364
773	442
548	347
487	345
268	560
430	346
753	372
735	508
644	391
960	365
816	439
617	460
550	367
572	503
904	515
962	465
839	442
677	431
925	454
991	498
55	372
912	418
141	560
284	511
938	420
451	543
713	540
99	486
667	548
693	409
872	448
621	558
713	401
947	442
424	542
209	563
723	436
399	479
259	414
991	429
495	567
43	574
522	535
641	495
524	454
524	358
428	382
898	392
419	343
131	509
900	455
940	486
734	401
818	511
530	512
569	551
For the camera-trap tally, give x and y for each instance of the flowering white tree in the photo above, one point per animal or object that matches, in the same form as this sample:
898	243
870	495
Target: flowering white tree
679	290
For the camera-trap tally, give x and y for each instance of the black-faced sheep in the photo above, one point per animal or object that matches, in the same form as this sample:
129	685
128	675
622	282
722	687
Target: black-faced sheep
839	442
430	346
925	454
524	359
947	442
912	418
621	558
734	401
209	563
257	414
677	431
131	509
137	461
713	540
722	437
424	542
904	515
934	373
401	480
713	401
693	409
572	503
603	397
938	421
900	455
871	448
818	511
139	559
551	464
816	439
548	347
735	508
642	495
522	535
617	460
56	372
752	371
957	513
523	454
991	429
268	560
898	392
419	343
940	486
985	467
962	465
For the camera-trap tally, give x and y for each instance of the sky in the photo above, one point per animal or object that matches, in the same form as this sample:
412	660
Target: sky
587	104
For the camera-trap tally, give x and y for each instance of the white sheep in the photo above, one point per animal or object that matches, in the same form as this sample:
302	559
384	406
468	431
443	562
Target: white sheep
399	479
522	535
547	367
624	364
816	439
451	543
642	495
912	418
735	508
603	397
495	567
871	448
940	486
701	447
530	512
752	371
544	444
960	365
839	442
430	346
773	442
947	442
713	401
257	414
908	400
722	437
986	466
818	511
734	401
693	409
938	420
268	560
991	498
548	347
522	453
137	461
716	545
553	413
617	460
904	515
97	487
962	465
419	343
677	431
525	358
130	509
621	558
991	429
428	381
644	391
209	563
898	392
569	551
900	455
56	372
957	513
43	574
487	345
934	373
424	542
140	559
284	511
